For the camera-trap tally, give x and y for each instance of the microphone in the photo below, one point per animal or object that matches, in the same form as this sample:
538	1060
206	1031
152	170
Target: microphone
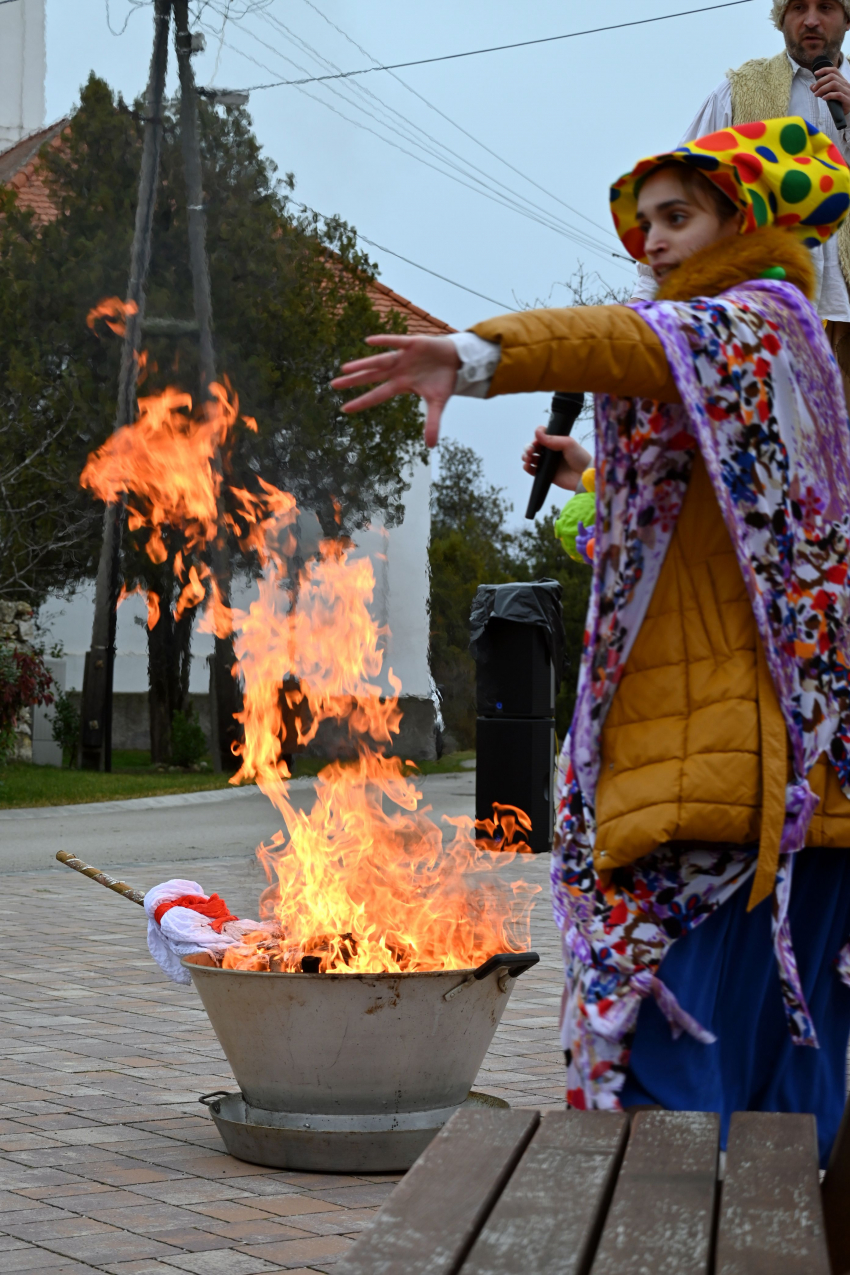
562	416
822	63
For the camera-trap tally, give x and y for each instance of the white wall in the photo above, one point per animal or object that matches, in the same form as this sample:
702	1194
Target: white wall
23	66
400	562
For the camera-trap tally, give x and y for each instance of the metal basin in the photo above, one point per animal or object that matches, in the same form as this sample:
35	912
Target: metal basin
321	1144
357	1044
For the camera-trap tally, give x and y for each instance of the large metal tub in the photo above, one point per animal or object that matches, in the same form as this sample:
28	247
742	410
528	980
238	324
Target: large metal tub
347	1061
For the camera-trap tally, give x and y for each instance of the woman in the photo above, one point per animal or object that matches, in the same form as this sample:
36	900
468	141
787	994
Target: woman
711	739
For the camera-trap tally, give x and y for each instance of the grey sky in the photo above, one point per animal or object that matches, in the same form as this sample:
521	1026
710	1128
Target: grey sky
570	115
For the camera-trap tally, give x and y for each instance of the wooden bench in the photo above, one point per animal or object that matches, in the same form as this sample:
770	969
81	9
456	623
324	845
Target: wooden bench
514	1193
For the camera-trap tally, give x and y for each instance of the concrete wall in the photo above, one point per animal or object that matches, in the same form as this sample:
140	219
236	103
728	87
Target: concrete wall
23	65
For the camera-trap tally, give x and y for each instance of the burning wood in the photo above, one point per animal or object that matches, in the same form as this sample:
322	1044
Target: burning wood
353	886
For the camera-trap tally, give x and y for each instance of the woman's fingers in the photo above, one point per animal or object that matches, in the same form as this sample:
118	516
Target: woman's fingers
379	394
364	377
432	422
378	362
531	459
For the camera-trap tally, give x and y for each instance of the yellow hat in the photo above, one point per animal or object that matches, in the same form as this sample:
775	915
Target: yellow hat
779	172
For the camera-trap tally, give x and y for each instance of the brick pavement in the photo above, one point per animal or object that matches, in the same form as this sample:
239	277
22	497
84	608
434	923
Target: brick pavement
107	1163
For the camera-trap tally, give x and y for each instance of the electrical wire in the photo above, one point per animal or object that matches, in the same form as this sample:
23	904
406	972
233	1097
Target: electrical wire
461	176
135	5
466	164
425	269
459	127
496	48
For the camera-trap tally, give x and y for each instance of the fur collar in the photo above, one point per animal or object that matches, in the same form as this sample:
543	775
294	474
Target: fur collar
732	261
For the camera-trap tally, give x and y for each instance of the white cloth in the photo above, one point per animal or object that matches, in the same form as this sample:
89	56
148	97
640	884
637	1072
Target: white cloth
478	361
832	301
183	932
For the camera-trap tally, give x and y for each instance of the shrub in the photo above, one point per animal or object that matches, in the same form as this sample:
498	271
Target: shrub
24	681
66	726
188	741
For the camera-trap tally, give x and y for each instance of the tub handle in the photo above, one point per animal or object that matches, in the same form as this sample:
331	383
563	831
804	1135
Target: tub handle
513	963
510	964
212	1100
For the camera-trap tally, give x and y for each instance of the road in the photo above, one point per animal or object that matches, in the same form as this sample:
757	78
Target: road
208	825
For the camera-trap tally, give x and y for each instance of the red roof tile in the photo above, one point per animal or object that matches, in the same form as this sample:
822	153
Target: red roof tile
19	168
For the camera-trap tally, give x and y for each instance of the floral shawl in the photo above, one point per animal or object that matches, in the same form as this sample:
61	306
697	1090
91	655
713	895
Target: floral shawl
754	373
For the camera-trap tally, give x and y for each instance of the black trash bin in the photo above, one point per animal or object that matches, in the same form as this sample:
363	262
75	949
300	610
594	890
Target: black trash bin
517	639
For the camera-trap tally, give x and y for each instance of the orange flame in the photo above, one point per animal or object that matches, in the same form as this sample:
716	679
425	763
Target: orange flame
361	882
151	598
114	311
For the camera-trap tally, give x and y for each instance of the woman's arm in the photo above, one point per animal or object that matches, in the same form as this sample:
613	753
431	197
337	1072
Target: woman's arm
605	349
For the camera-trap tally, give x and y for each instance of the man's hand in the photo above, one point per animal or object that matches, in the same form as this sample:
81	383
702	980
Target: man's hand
574	459
423	365
832	86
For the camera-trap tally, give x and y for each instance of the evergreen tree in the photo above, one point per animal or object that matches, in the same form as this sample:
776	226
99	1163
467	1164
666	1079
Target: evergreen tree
290	302
471	545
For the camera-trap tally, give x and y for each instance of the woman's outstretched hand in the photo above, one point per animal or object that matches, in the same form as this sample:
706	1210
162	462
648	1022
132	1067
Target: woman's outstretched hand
423	365
574	459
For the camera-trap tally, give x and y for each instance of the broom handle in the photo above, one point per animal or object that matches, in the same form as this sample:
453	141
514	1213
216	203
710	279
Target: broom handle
120	887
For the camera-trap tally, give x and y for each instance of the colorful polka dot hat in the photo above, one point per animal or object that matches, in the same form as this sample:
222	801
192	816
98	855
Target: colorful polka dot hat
779	172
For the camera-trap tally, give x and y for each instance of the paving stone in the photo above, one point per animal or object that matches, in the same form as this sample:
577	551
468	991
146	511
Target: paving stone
32	1259
299	1252
224	1261
101	1065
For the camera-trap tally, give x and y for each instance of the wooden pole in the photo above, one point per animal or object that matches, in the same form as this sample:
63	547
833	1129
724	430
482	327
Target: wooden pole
225	697
120	887
96	708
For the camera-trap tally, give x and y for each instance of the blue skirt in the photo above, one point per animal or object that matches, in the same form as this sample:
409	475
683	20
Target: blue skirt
724	973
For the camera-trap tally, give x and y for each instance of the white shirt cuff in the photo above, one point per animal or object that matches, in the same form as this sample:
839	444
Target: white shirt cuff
478	361
646	287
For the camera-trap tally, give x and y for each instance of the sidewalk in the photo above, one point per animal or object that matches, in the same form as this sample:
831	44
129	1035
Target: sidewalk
107	1162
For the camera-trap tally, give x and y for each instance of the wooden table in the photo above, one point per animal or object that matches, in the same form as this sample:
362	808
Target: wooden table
511	1193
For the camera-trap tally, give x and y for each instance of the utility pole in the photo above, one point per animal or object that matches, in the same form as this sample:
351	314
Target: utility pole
225	696
96	706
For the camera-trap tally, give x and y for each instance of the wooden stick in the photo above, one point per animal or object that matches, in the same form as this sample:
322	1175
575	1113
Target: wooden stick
120	887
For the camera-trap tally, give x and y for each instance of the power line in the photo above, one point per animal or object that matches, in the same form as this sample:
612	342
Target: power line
586	241
532	212
496	48
459	127
444	277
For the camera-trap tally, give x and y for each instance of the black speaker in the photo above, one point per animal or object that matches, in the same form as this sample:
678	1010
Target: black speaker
514	673
515	766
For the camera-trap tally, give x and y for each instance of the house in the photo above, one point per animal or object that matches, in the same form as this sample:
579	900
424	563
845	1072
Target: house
399	556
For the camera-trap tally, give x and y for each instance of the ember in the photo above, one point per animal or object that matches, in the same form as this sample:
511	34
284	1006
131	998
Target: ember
362	882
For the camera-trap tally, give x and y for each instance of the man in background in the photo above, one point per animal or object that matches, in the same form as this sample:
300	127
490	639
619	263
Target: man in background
770	88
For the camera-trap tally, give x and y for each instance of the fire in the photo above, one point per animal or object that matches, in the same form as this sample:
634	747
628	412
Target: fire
362	882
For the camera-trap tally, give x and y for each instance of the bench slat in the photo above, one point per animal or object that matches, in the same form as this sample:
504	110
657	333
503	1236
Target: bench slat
427	1225
771	1218
662	1214
548	1218
835	1193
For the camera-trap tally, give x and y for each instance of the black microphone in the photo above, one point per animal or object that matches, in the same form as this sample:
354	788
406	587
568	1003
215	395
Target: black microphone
822	63
562	416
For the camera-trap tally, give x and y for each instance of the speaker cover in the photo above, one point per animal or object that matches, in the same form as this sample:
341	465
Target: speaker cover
515	765
515	674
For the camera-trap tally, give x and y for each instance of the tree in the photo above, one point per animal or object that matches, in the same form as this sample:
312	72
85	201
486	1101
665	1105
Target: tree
542	555
290	302
471	545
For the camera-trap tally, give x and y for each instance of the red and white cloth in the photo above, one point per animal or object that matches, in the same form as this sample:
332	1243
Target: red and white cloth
182	920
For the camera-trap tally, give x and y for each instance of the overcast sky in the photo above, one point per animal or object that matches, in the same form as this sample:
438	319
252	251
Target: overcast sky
570	115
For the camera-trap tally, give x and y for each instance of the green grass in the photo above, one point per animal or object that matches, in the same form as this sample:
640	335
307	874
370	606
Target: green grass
23	785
